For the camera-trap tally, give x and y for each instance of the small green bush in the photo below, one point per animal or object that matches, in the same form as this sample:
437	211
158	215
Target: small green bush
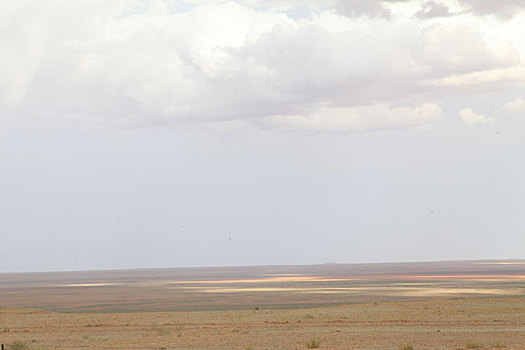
313	343
498	346
471	345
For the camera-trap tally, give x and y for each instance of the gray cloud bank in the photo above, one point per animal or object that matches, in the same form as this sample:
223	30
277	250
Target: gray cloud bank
342	67
505	9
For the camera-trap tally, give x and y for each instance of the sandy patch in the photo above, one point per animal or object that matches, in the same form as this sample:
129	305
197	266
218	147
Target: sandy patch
266	280
502	263
87	285
426	292
245	290
480	277
400	291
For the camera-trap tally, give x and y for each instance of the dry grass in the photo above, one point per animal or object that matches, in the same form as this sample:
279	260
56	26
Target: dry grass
442	305
18	345
313	343
435	324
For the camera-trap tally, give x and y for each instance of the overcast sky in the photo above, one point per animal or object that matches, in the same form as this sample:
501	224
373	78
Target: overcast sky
202	133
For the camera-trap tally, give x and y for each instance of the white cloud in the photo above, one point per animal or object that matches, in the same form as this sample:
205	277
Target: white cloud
504	9
432	9
461	48
130	63
516	106
469	117
359	118
21	48
357	8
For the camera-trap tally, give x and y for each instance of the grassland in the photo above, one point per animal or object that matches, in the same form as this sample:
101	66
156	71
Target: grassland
453	305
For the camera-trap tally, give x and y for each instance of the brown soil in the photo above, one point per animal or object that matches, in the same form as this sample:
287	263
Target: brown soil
434	324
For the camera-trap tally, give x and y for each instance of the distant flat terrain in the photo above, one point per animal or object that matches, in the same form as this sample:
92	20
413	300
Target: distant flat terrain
436	305
268	287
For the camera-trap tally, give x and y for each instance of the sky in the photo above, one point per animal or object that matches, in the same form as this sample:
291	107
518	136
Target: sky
139	134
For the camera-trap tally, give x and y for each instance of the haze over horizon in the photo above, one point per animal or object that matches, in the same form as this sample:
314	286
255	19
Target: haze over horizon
171	133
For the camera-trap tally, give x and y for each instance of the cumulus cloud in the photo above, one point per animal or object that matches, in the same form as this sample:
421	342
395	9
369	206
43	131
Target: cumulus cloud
160	63
356	8
504	9
461	49
368	8
469	117
432	9
358	118
516	106
21	49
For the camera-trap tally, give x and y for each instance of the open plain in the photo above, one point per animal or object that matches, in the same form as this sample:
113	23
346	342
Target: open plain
436	305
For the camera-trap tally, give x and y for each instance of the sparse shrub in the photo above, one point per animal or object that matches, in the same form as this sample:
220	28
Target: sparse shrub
17	345
256	308
471	345
498	346
313	343
405	347
6	330
163	331
235	331
160	330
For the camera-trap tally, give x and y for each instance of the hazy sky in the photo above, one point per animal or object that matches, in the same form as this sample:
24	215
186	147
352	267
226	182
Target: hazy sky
201	133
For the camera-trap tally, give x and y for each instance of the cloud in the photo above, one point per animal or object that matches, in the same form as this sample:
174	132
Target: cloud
21	49
469	117
366	8
504	9
432	9
461	48
356	119
162	63
357	8
517	106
